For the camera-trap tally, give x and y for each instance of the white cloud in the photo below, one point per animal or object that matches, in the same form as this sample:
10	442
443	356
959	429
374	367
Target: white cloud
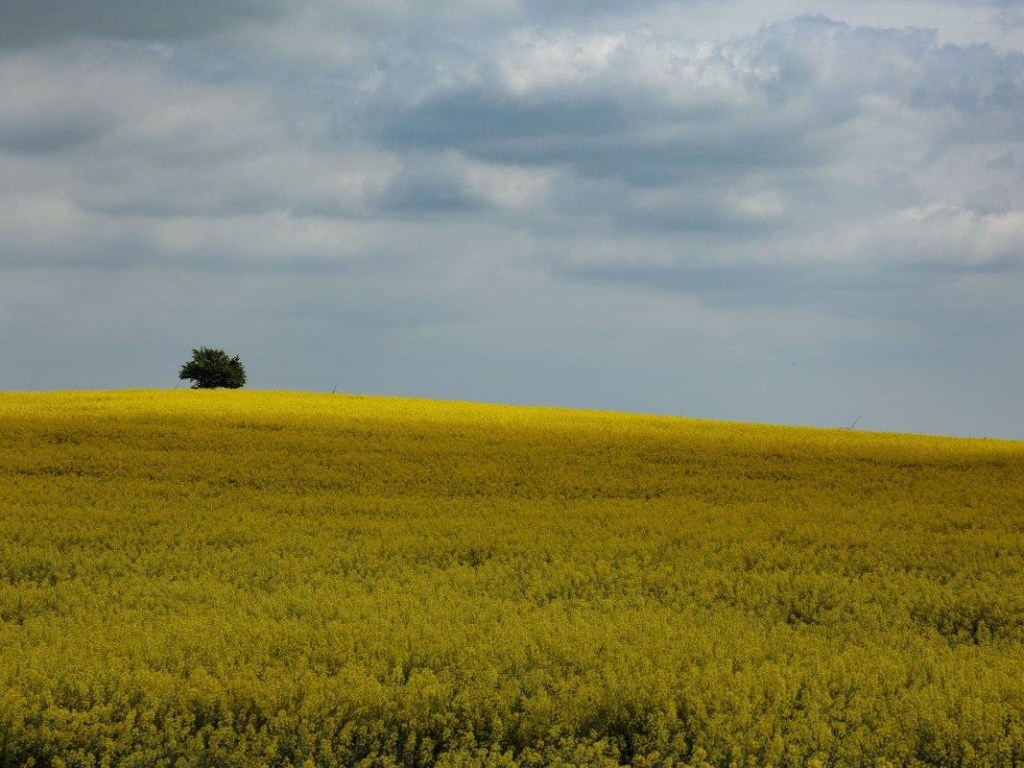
951	236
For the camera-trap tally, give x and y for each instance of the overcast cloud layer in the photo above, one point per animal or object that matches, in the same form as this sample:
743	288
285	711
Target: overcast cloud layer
798	212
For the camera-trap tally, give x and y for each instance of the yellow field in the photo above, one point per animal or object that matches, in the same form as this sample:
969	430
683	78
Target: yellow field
197	578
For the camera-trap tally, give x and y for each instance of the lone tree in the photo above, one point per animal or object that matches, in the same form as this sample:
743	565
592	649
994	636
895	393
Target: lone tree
212	368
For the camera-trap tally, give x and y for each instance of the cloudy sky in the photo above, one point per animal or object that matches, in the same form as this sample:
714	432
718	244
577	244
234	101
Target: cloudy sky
801	212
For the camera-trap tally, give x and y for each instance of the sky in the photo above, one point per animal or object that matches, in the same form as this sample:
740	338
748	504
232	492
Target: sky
794	212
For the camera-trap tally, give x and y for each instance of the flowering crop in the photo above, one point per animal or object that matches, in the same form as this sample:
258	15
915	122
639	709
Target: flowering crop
211	578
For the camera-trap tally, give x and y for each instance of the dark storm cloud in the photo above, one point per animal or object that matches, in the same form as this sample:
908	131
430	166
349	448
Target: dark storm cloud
29	22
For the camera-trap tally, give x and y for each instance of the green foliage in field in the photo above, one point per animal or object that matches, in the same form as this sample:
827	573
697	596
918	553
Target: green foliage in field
258	579
213	369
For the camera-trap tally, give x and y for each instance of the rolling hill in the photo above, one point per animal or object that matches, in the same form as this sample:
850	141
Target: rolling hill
197	578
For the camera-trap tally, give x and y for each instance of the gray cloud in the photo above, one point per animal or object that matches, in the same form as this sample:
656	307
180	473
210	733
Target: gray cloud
475	120
432	189
597	139
29	22
48	136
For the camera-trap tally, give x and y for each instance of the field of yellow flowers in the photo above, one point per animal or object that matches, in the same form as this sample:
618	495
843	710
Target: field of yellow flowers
195	578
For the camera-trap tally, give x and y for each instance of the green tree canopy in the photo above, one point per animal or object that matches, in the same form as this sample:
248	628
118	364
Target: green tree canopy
212	368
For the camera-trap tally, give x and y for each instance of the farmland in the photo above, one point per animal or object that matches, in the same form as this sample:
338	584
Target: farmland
274	579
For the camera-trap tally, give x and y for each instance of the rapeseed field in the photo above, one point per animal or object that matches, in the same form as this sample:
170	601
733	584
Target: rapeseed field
196	578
